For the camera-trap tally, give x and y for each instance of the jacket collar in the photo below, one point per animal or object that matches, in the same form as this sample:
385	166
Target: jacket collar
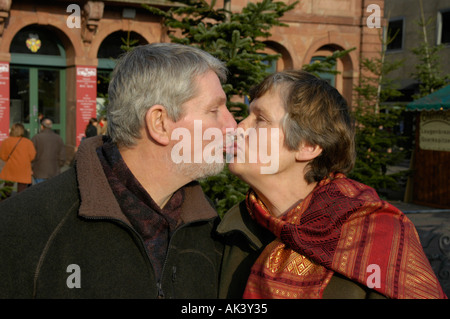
98	200
238	220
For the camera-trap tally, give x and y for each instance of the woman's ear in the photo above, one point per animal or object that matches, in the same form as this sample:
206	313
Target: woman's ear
156	121
307	152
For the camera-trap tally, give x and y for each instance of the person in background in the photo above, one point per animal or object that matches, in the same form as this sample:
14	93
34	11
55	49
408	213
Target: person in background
305	230
91	128
50	152
17	152
102	126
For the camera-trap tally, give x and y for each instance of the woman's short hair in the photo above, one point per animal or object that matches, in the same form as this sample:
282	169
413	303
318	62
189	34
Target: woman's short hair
17	130
160	73
316	113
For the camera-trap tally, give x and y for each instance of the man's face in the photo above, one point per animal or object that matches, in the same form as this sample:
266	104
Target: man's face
205	113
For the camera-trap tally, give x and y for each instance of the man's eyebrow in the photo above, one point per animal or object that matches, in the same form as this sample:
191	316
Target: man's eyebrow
217	101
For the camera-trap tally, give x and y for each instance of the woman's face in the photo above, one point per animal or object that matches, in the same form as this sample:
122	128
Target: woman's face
259	151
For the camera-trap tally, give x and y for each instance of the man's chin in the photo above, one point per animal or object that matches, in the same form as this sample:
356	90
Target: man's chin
212	170
197	171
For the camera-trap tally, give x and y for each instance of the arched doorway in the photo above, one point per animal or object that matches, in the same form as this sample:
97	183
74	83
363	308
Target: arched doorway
37	79
114	45
343	79
285	61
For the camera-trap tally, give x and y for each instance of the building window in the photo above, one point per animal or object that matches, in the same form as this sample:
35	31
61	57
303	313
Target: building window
395	35
443	27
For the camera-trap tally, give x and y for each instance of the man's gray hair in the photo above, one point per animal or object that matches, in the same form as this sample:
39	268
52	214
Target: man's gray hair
47	123
161	73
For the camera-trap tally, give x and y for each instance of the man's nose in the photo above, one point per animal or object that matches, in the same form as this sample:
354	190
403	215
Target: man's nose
229	121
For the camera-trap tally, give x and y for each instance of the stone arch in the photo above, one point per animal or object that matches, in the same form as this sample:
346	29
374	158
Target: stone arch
346	65
322	46
115	38
286	60
69	38
108	52
103	33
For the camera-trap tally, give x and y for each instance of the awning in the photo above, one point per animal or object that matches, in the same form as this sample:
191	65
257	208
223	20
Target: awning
436	101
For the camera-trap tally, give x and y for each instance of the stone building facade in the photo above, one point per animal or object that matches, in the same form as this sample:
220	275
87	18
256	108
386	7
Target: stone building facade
404	19
51	64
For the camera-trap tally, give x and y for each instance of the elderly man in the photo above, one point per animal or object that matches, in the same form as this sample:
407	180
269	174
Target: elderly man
128	221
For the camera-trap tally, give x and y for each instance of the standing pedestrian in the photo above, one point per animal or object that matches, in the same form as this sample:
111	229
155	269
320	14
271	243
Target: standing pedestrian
102	126
50	152
17	152
91	128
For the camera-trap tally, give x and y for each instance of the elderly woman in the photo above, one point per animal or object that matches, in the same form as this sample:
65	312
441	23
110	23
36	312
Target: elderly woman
306	230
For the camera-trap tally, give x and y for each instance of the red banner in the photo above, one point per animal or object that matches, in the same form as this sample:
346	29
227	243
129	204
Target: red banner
86	98
4	100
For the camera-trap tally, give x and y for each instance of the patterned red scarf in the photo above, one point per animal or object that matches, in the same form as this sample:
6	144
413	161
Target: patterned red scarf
343	227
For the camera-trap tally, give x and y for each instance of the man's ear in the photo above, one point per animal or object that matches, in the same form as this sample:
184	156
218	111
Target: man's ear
156	121
307	152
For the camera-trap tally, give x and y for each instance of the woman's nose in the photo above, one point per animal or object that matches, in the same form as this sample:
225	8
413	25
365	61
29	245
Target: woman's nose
243	124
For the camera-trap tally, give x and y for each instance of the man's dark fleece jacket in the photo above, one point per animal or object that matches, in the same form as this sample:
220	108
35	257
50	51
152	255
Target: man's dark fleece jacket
90	234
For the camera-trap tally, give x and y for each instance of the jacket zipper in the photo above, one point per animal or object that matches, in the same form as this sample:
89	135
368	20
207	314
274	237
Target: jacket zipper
160	291
159	284
161	294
